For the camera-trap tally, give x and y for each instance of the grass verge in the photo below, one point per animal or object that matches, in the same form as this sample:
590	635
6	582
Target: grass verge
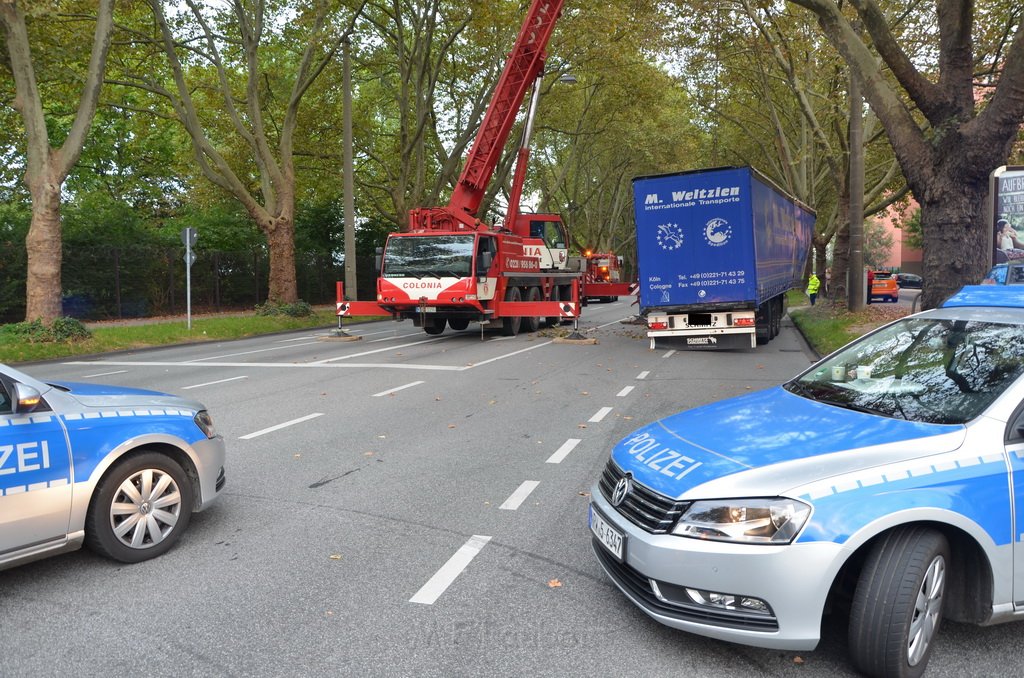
121	336
828	326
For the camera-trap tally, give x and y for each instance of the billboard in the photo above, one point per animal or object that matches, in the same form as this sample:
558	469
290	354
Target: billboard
1007	190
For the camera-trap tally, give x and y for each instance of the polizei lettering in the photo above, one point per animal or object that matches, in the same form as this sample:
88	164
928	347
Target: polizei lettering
648	451
24	457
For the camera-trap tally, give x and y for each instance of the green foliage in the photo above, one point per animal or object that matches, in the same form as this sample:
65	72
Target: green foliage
878	243
68	329
62	330
14	221
914	236
299	309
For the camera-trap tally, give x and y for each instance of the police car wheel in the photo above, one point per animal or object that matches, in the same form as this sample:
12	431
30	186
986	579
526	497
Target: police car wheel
897	607
141	507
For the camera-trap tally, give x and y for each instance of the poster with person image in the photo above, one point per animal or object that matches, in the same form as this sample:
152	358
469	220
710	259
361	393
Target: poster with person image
1007	189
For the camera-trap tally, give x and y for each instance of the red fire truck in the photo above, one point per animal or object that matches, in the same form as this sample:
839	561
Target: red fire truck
602	277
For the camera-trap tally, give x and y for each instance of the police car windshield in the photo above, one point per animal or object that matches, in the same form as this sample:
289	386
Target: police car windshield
434	256
933	370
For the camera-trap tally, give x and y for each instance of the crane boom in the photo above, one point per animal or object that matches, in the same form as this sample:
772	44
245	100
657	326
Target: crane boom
524	64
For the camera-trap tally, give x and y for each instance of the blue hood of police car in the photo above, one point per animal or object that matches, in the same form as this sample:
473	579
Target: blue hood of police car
766	443
103	395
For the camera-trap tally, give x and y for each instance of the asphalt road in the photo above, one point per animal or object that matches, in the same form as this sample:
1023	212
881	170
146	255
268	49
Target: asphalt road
407	505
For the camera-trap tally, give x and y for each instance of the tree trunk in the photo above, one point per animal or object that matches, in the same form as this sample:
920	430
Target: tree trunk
957	245
281	243
43	246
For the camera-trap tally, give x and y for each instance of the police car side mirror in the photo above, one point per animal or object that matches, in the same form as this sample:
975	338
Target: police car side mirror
26	398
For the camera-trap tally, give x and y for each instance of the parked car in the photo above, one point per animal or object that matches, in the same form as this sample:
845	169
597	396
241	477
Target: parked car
118	469
1005	274
884	287
909	280
883	483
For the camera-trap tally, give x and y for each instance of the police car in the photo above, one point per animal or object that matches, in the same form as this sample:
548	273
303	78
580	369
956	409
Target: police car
886	482
119	469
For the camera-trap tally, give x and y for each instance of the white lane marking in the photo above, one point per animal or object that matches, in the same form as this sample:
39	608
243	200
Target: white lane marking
378	350
624	392
103	374
370	334
397	388
281	426
332	362
399	366
614	322
211	383
601	414
668	354
258	350
400	336
519	496
444	577
643	375
563	451
507	355
288	341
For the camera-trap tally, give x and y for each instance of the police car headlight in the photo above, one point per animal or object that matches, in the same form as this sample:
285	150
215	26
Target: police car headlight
205	423
748	521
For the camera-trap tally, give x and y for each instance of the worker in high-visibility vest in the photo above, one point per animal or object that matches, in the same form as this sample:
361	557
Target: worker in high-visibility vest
813	285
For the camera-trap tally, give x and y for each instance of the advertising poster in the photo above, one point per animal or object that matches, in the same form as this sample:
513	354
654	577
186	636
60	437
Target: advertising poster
1008	214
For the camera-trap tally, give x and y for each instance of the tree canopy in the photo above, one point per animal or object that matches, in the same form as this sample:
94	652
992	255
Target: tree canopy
145	117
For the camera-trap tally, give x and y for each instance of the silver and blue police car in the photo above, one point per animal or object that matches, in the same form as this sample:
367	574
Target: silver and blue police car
119	469
887	481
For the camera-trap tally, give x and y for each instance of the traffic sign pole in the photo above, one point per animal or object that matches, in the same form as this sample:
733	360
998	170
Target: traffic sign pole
188	238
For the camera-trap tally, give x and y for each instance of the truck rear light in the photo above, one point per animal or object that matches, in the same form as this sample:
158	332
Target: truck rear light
658	326
744	322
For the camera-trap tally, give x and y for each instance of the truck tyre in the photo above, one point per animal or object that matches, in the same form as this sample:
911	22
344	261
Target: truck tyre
777	317
553	320
532	323
897	606
458	324
510	325
141	507
763	323
434	325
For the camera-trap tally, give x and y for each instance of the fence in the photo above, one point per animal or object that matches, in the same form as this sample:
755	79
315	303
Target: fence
102	283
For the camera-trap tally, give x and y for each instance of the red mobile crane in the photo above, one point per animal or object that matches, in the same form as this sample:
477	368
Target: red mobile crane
452	269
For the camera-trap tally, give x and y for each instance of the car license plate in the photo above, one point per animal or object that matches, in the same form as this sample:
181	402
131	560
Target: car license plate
610	538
